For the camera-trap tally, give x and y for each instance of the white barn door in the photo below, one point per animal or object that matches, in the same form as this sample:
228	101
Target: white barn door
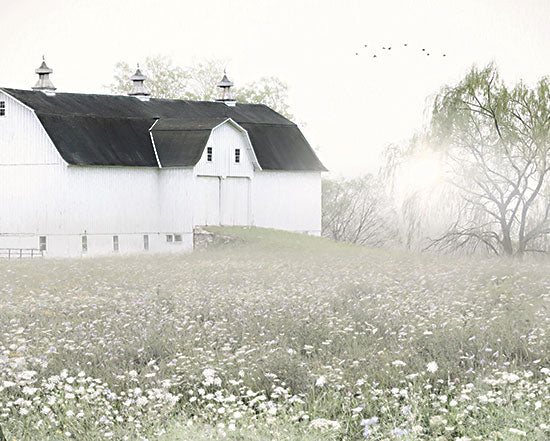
207	203
235	201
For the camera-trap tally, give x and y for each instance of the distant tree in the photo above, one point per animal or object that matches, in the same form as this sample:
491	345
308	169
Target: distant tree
270	91
164	80
357	211
198	83
497	141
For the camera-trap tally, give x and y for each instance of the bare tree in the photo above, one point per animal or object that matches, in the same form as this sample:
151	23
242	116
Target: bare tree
356	211
497	142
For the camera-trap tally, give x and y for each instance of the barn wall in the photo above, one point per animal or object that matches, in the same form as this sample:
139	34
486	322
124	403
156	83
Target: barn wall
175	194
65	203
287	201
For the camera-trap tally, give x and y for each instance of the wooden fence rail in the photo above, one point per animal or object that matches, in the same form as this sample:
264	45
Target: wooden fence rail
20	253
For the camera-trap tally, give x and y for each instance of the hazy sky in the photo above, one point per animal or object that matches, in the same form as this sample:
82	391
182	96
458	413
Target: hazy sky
351	105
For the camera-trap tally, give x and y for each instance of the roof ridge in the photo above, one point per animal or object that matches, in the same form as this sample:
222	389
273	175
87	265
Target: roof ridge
93	115
217	103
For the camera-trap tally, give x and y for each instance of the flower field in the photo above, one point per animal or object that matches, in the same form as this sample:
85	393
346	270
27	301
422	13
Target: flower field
275	336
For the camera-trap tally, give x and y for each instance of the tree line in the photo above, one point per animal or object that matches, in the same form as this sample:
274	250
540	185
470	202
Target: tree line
493	143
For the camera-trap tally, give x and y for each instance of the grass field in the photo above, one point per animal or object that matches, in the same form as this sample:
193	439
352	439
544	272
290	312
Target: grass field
275	336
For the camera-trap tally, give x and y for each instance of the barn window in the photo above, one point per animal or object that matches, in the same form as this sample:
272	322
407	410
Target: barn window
42	243
84	244
115	243
2	108
177	237
169	238
209	154
237	155
145	242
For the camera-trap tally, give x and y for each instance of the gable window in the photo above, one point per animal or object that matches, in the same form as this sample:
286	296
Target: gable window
115	243
209	154
42	243
145	242
84	244
169	238
2	108
237	155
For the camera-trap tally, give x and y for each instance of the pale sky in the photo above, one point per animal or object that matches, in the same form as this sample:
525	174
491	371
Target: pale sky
352	106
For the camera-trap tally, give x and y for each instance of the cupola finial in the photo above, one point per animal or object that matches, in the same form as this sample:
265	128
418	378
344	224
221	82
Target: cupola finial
226	95
138	89
44	83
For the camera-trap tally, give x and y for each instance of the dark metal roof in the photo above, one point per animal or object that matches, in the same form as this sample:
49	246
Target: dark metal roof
170	134
114	130
92	140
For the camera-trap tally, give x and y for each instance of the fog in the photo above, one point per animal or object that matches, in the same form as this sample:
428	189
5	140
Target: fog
180	269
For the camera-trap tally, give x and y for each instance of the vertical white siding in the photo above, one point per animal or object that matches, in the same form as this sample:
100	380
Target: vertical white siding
235	201
175	193
287	201
206	201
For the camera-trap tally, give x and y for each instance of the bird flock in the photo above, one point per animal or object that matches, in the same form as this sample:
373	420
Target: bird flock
375	50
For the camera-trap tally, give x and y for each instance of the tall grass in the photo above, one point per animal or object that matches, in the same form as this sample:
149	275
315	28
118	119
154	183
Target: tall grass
274	332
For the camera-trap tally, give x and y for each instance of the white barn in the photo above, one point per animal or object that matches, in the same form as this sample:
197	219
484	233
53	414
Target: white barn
85	174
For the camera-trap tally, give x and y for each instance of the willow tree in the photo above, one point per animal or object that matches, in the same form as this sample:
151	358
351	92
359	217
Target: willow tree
497	141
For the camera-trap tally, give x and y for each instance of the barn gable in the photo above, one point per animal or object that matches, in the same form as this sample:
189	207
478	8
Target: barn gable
228	152
22	136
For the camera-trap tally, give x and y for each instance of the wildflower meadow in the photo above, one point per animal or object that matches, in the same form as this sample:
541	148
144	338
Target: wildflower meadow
275	336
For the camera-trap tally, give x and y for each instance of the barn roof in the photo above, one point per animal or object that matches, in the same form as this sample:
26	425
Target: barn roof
115	130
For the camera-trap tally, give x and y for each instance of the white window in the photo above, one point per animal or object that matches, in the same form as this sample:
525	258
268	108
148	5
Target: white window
2	108
145	242
177	237
169	238
42	243
115	243
237	155
84	244
209	154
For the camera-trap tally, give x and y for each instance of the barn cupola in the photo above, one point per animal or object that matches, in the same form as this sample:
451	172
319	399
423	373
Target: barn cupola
138	88
226	96
44	83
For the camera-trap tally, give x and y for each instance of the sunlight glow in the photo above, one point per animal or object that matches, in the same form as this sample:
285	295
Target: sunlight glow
422	172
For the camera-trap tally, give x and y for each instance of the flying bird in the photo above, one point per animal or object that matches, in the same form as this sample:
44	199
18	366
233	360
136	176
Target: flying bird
388	48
